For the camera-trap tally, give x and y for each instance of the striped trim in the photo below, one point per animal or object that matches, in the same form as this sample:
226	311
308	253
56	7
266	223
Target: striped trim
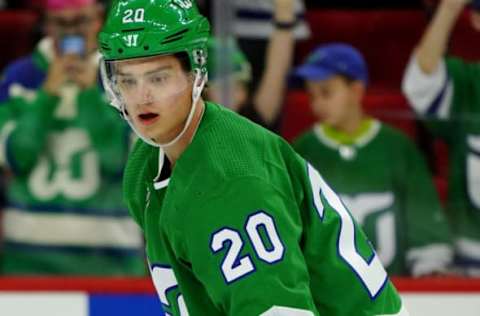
70	230
15	247
440	107
62	209
429	259
5	133
362	141
468	248
259	29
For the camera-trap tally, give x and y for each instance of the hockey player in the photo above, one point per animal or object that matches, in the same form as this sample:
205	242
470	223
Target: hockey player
235	222
444	91
377	171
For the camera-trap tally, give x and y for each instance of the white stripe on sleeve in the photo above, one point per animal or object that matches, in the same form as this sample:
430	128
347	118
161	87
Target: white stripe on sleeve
428	92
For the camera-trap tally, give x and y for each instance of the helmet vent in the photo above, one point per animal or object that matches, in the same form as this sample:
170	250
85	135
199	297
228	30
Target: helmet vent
138	29
174	37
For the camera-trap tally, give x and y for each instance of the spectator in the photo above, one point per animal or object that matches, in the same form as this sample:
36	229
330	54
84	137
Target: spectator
253	24
263	106
66	149
376	170
444	91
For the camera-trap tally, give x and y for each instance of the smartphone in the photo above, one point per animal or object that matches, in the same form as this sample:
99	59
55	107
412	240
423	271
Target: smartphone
72	44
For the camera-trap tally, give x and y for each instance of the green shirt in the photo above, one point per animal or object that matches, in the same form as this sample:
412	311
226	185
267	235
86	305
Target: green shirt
244	226
384	181
460	128
66	154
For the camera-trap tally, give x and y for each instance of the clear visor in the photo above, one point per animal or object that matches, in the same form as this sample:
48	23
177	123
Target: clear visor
144	81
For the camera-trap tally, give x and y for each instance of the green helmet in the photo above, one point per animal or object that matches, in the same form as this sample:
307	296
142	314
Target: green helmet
148	28
241	68
143	28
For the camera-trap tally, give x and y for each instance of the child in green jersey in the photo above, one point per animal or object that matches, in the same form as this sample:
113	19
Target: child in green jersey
377	171
235	222
445	92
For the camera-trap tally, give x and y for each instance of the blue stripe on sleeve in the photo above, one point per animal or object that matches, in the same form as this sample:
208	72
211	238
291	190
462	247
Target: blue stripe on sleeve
435	106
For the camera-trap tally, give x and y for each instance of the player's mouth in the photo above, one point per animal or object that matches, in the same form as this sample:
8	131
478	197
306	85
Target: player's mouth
148	118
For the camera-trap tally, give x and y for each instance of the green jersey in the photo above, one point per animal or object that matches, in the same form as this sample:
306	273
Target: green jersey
244	226
449	102
65	213
384	181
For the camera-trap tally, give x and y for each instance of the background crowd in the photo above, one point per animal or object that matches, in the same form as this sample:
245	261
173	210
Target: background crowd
383	98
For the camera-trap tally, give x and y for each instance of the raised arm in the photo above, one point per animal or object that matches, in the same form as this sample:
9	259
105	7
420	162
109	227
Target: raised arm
268	98
434	42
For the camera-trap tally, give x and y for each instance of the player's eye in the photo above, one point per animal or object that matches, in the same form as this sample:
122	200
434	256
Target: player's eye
159	79
127	83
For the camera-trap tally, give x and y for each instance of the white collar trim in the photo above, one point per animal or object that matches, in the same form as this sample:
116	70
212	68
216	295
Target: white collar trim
157	184
360	142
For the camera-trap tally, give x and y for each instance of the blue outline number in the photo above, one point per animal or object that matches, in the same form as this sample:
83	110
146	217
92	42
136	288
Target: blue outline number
262	219
371	273
234	268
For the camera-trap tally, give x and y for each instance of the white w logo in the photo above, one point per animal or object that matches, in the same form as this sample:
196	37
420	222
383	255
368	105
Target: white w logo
131	40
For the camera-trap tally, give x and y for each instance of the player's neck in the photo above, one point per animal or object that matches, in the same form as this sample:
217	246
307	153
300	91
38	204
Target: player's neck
174	151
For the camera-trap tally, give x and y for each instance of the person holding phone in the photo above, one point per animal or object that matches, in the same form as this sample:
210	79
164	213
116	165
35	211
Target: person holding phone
66	151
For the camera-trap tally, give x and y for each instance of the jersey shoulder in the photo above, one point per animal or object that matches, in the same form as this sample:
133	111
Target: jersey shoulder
232	147
138	172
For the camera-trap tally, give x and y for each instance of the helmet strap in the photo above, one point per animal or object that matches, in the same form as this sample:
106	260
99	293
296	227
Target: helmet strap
198	85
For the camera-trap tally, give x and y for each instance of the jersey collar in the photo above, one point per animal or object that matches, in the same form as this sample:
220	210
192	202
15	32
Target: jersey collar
162	179
333	138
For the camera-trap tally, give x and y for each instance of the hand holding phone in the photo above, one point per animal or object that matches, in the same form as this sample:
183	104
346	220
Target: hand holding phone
72	44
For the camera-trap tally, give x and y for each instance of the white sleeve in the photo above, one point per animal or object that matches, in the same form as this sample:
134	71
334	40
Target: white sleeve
430	259
428	94
286	311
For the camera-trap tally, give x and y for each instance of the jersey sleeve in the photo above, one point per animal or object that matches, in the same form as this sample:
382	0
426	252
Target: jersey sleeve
430	95
30	112
244	247
445	97
428	236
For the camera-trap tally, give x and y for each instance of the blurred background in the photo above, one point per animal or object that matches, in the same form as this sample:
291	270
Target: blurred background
383	97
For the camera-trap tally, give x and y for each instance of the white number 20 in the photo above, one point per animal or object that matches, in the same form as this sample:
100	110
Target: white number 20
372	274
130	16
233	267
